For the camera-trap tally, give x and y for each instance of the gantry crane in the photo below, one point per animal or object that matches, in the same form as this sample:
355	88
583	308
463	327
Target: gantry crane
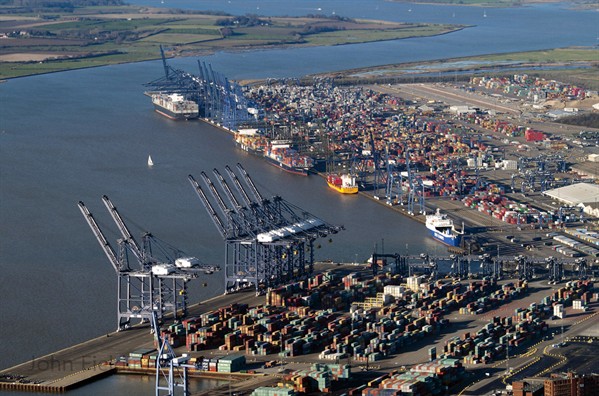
266	240
171	371
460	266
556	270
219	99
153	287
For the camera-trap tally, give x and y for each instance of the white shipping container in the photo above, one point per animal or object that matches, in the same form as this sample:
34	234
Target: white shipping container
593	157
558	310
394	290
510	164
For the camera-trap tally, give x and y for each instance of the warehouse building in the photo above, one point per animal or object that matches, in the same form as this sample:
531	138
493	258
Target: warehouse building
575	194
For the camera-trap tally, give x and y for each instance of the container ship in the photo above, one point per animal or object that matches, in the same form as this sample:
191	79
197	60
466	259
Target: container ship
443	229
281	155
345	184
251	140
175	106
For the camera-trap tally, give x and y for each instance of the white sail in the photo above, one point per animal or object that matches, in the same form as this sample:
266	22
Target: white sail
150	162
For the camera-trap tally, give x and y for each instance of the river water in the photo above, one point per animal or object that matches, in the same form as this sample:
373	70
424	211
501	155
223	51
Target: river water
77	135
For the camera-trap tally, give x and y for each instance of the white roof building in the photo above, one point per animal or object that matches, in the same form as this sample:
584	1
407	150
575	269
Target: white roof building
575	194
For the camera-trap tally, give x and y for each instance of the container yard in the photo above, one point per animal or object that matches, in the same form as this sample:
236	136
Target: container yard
295	329
344	323
426	325
414	153
488	142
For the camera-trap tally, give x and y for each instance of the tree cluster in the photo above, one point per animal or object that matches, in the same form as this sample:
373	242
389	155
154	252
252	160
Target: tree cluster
243	21
331	17
314	29
590	120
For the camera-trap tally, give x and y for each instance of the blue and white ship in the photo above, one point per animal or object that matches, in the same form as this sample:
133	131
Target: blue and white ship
442	229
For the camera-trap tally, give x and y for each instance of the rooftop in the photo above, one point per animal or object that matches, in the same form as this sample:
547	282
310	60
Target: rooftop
575	193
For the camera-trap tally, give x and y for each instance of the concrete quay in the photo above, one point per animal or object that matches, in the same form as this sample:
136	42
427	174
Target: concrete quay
82	363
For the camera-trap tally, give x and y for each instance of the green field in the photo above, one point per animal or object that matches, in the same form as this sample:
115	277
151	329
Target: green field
547	56
42	42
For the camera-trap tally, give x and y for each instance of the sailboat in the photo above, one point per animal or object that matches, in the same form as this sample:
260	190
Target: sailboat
150	162
484	14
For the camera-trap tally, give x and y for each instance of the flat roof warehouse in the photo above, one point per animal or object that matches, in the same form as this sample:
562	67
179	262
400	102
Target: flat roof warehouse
575	194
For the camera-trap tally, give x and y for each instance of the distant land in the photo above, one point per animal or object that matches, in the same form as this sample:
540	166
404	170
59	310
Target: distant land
45	36
576	65
501	3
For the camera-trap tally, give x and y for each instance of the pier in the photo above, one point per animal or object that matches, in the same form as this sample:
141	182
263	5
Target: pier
94	359
88	361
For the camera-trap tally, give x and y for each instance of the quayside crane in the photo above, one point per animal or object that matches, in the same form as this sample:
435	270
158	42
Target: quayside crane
171	371
220	100
267	241
153	286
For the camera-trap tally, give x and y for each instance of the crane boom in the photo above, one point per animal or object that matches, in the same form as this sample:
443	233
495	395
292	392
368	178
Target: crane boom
108	250
227	190
217	221
250	182
166	71
219	199
244	194
123	229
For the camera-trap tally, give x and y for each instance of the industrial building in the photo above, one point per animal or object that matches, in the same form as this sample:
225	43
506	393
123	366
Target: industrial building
575	194
571	384
530	387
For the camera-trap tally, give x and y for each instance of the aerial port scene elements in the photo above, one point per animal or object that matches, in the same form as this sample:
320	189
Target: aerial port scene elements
307	204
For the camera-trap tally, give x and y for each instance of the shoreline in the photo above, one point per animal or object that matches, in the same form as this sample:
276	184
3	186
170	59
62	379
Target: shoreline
200	53
345	73
73	366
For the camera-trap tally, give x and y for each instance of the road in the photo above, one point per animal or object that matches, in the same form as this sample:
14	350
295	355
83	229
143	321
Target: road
451	96
540	359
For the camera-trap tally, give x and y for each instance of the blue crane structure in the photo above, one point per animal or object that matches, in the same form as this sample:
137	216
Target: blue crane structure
171	371
220	100
268	242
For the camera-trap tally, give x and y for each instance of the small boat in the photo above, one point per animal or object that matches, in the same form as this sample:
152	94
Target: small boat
150	162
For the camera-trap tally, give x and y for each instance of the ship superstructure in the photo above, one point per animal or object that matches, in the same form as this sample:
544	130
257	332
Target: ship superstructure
442	228
175	106
345	184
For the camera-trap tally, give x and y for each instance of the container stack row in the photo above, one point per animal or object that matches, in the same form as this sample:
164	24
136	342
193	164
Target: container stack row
507	292
524	85
423	379
507	210
514	331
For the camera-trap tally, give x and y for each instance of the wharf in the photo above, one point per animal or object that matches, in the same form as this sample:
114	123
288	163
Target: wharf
491	234
75	366
216	125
